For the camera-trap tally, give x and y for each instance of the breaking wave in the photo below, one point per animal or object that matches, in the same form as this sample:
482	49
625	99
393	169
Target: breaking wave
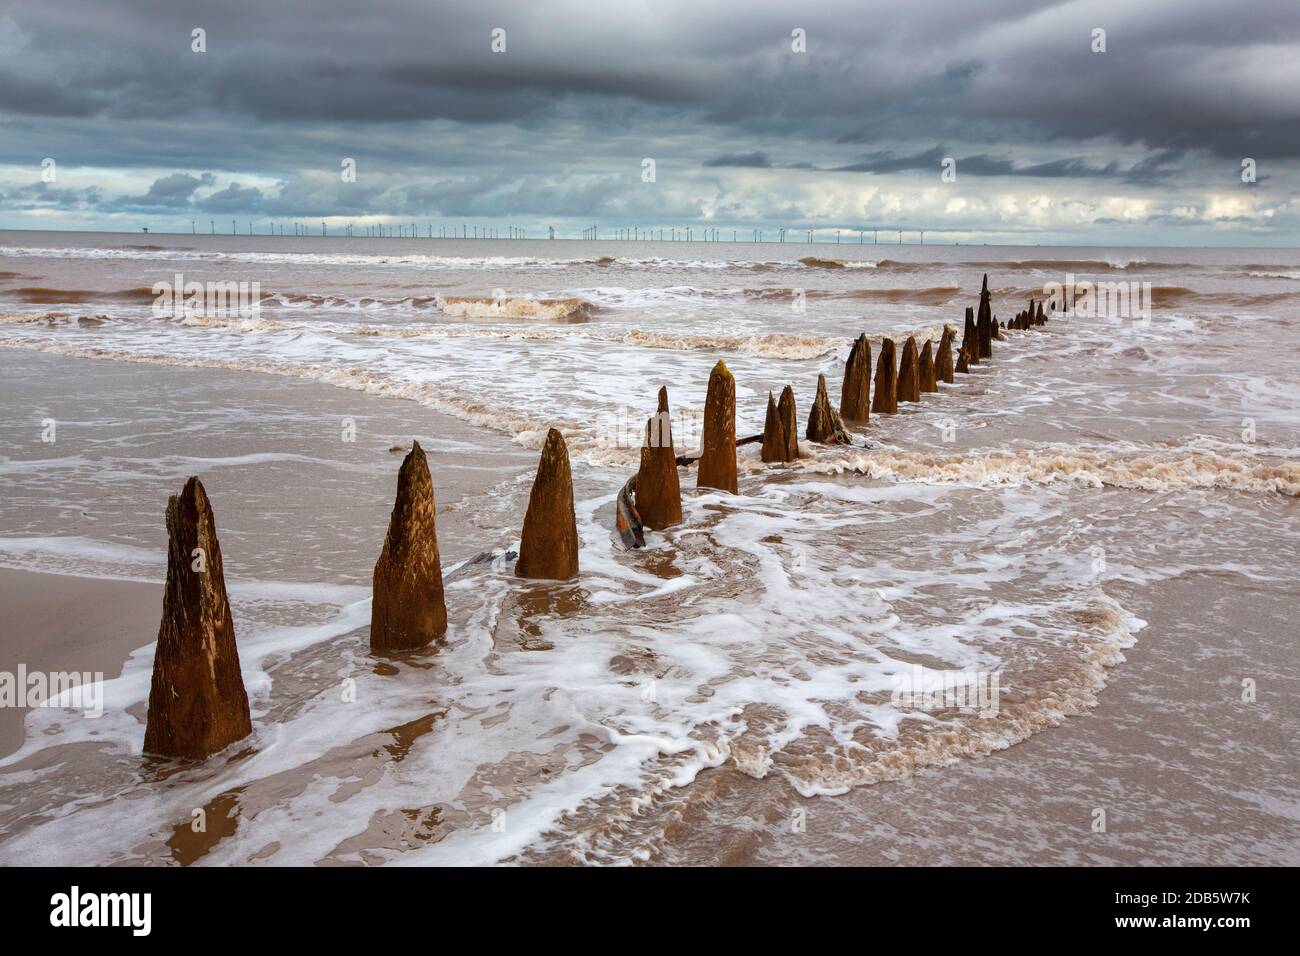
817	262
182	254
1293	275
553	310
1095	469
770	344
1174	295
929	295
1083	265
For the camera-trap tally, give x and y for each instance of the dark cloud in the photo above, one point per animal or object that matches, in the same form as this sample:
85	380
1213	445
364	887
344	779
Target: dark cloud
22	96
397	60
886	162
557	124
43	195
169	192
755	160
234	198
1068	169
1151	169
1157	167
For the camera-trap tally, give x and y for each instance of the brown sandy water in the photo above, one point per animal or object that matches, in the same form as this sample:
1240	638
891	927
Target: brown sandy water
1086	516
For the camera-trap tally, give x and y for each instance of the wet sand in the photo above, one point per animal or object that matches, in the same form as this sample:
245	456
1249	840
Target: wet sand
57	622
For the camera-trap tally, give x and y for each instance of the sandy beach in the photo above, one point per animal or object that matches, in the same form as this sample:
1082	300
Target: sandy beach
1094	528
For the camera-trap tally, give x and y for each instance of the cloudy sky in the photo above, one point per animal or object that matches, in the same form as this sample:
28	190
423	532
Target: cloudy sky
1141	144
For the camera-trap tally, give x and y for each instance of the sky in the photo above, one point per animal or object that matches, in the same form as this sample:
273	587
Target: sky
1000	121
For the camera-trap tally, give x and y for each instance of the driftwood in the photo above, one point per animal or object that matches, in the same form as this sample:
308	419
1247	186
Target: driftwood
628	521
626	518
684	460
478	561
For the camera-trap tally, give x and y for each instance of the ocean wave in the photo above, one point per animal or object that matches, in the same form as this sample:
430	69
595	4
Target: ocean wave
427	261
358	303
924	295
161	253
532	332
1080	265
786	345
661	262
790	346
931	295
779	345
1261	272
1174	295
586	441
1164	296
772	345
554	310
40	295
818	262
235	323
414	260
1095	469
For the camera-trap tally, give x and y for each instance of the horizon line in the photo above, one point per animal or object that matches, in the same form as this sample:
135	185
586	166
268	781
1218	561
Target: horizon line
607	239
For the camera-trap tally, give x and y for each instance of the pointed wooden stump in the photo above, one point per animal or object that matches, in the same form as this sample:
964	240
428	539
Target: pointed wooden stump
774	445
943	359
886	395
548	548
855	392
658	488
409	610
197	702
789	423
821	421
717	467
909	381
929	379
970	338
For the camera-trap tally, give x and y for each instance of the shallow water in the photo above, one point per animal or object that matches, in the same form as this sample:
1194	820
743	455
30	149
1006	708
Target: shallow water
1028	521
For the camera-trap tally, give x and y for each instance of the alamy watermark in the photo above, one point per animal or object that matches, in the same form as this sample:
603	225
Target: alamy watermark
130	910
627	429
1106	300
182	300
71	690
970	692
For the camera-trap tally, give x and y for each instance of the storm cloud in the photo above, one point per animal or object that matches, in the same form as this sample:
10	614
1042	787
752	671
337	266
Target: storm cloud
545	113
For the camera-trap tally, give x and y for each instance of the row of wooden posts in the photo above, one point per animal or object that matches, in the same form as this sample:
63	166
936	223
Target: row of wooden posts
197	702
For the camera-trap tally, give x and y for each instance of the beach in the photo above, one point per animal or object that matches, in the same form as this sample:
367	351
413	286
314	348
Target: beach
1104	514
